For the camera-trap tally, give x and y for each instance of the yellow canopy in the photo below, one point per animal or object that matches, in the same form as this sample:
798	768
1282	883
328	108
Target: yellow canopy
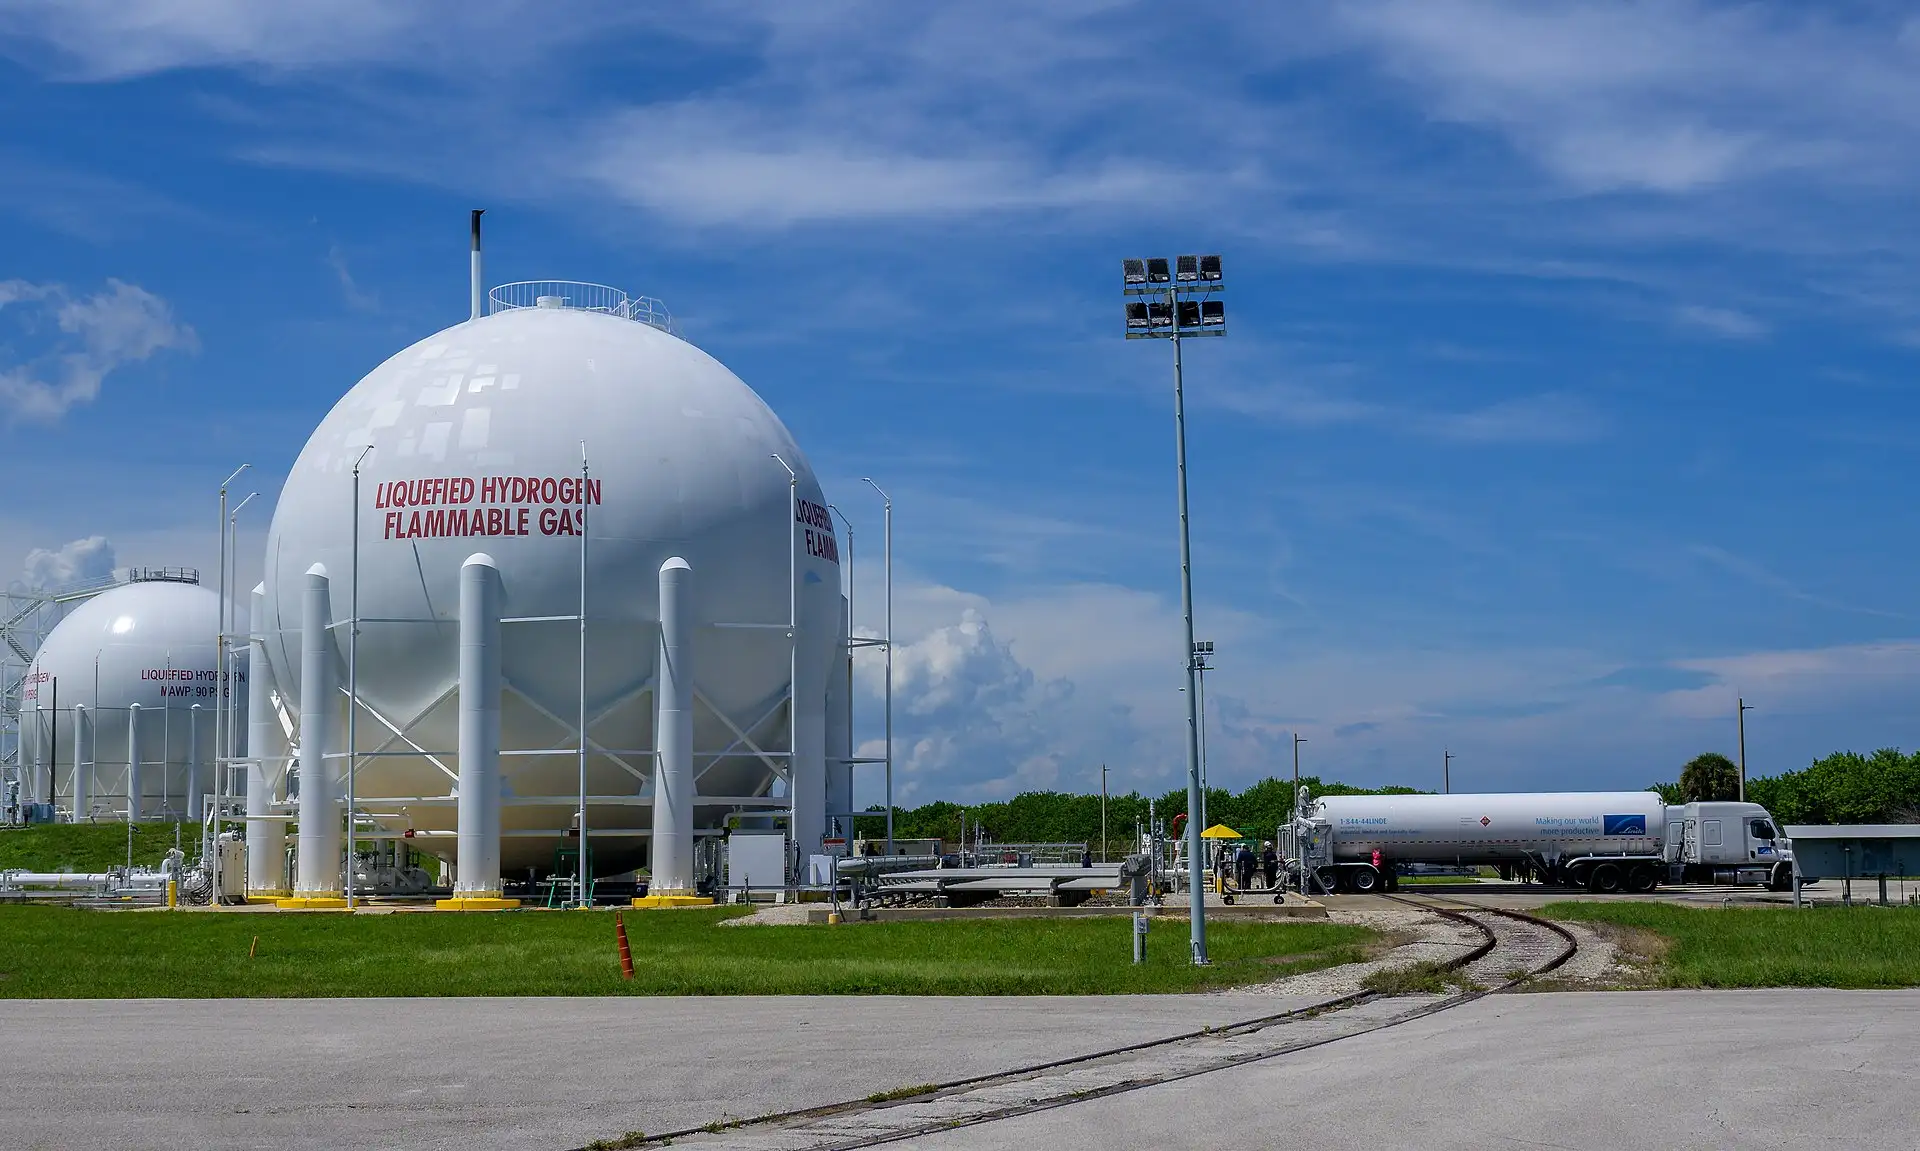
1220	831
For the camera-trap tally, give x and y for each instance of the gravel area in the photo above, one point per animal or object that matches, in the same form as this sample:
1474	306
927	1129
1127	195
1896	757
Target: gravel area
773	915
1433	937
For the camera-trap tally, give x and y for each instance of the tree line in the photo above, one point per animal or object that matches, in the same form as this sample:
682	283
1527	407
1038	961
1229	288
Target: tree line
1845	787
1066	817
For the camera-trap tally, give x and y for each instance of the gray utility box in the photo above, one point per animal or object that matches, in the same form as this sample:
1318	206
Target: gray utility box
757	861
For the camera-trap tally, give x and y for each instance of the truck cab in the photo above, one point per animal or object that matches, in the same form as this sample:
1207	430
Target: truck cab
1727	842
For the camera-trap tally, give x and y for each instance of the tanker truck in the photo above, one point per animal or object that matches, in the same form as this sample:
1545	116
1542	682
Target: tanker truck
1604	841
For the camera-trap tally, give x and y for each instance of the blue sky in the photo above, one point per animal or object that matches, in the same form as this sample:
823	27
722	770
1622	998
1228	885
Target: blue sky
1569	390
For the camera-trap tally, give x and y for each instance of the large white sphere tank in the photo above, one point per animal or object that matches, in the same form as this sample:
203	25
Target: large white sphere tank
150	642
477	436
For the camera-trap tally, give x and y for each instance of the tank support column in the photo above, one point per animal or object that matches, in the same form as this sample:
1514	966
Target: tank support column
82	762
671	884
134	782
320	832
478	843
266	836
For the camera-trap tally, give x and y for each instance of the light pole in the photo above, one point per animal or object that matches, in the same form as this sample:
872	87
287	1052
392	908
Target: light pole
1174	303
353	670
1745	707
583	875
220	714
1446	772
887	547
1103	813
1202	654
1298	739
795	849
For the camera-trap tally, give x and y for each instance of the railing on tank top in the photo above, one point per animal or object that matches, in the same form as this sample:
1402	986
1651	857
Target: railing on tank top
578	295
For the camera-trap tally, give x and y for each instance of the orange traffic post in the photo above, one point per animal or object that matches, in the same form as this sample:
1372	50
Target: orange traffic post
626	953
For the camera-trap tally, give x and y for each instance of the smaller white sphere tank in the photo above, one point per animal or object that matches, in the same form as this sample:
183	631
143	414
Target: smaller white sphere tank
133	665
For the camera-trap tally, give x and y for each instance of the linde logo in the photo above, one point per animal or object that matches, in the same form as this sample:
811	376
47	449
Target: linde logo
490	506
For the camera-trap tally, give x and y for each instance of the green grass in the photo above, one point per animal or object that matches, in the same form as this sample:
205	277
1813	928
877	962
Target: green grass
1428	977
62	952
1767	947
91	846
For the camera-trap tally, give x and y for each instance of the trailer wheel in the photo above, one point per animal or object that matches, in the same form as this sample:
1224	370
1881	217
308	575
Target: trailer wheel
1605	878
1642	879
1364	880
1329	880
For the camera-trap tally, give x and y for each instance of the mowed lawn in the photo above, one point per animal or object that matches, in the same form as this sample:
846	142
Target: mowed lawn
1852	947
52	952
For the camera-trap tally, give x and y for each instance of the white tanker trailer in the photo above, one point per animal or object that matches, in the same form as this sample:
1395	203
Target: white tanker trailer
1601	840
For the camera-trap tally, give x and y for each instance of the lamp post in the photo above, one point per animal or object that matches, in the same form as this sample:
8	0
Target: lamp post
887	548
1173	303
1446	772
221	716
353	671
1202	657
583	875
1745	707
1103	813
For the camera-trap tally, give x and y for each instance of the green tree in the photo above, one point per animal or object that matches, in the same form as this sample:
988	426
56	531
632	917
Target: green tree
1710	777
1671	794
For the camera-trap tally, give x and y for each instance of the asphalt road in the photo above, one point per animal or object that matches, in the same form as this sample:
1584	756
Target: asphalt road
514	1073
1745	1069
1585	1070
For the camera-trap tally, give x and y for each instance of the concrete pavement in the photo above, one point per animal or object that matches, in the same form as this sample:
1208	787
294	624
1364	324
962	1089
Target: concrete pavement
515	1073
1591	1070
1726	1069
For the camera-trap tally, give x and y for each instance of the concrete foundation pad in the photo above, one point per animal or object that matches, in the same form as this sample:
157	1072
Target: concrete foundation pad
477	903
672	901
311	903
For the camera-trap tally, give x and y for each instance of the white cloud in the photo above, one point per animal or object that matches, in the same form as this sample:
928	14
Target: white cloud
81	561
1542	418
1666	98
98	333
1727	323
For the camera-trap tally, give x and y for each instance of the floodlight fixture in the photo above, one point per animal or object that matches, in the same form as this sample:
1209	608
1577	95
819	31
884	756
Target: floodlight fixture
1133	271
1136	317
1159	315
1157	272
1186	269
1213	314
1209	268
1189	313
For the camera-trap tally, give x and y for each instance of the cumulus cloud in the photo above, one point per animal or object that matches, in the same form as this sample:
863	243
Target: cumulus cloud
81	561
972	719
80	340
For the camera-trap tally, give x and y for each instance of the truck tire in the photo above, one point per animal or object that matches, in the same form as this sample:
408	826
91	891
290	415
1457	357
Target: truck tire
1363	880
1642	879
1782	878
1605	878
1329	879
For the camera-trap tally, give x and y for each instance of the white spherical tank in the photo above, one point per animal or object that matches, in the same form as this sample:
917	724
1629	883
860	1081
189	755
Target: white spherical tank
476	438
135	662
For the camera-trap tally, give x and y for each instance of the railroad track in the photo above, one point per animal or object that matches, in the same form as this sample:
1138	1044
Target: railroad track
1513	947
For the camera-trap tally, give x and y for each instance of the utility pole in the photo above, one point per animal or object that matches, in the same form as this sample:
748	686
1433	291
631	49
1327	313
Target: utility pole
1103	813
1446	773
1745	707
